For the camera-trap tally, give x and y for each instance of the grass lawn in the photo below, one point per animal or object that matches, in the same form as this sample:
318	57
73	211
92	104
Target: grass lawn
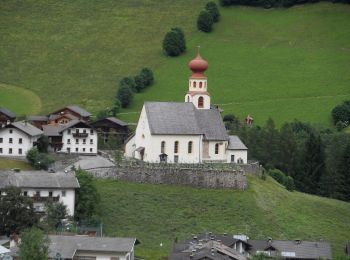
279	63
7	164
159	213
19	100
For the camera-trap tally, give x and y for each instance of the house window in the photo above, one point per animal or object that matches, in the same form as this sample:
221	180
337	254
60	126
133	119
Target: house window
20	140
77	141
176	147
91	132
77	131
76	149
84	141
68	141
90	150
25	193
1	140
37	193
162	147
63	193
84	131
19	151
10	140
68	149
83	149
68	131
189	148
10	150
11	131
0	150
200	102
216	148
50	193
91	141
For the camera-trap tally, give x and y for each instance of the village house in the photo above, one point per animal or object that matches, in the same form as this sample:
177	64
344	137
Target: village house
239	247
6	117
61	116
17	138
185	132
112	127
88	248
73	137
42	187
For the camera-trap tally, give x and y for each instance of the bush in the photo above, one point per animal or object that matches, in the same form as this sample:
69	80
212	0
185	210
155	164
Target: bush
281	178
147	75
213	10
174	42
139	83
128	81
40	161
124	95
205	21
225	2
341	113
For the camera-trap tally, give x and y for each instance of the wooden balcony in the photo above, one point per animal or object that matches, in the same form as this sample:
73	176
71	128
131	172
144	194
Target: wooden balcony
38	199
80	135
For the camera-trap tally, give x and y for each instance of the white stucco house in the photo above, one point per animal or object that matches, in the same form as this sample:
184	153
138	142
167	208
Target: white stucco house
74	137
17	138
42	187
185	132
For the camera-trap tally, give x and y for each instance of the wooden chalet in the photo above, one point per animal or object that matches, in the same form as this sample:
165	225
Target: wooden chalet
112	126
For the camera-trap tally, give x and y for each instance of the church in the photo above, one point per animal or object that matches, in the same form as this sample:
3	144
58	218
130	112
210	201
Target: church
185	132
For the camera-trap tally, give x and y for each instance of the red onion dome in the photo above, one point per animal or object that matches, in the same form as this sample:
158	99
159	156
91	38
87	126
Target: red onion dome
198	65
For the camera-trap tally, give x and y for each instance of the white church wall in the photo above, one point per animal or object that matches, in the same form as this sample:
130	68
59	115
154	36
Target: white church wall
222	150
238	154
206	100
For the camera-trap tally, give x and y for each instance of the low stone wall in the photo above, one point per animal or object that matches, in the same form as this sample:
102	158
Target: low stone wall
188	176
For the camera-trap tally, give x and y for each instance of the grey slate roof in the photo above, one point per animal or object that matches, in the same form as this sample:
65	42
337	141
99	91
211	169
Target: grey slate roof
234	143
79	110
26	128
51	130
7	112
37	179
68	245
302	250
174	118
117	121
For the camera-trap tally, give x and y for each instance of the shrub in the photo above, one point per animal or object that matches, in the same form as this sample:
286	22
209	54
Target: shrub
213	10
124	95
281	178
147	75
225	2
341	113
139	83
128	81
174	42
205	21
40	161
43	144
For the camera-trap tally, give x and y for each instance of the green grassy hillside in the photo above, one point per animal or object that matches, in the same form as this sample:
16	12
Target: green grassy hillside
20	100
283	63
159	214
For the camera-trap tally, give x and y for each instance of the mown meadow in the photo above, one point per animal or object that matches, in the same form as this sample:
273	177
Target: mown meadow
279	63
159	214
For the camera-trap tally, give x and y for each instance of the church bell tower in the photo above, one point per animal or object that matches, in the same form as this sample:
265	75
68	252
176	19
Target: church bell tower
197	85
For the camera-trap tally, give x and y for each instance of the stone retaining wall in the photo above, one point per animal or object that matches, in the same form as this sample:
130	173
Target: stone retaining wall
196	177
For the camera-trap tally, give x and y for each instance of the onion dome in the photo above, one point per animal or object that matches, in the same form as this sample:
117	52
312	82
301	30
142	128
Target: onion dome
198	65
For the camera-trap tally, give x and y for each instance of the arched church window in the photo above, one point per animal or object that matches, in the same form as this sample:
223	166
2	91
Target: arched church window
200	102
162	147
189	148
194	84
216	148
200	84
176	147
